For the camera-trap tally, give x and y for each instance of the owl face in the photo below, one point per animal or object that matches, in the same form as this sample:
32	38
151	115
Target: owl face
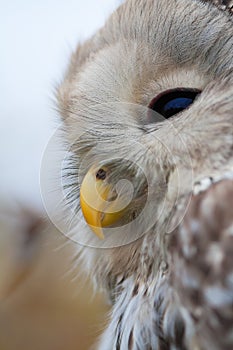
148	99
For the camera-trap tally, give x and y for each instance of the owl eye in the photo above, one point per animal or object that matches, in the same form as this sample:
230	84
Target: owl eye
171	102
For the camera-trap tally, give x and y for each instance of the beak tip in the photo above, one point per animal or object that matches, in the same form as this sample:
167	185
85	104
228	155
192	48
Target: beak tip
98	231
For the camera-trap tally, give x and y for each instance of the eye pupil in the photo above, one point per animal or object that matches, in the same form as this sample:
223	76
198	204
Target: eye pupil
179	103
173	101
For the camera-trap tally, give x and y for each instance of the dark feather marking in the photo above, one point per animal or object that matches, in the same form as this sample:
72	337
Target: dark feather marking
163	345
135	290
130	342
118	344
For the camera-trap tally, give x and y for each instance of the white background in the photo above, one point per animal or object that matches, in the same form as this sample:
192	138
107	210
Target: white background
37	38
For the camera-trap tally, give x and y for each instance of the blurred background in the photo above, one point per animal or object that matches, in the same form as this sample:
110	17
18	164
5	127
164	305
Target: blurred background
44	303
37	39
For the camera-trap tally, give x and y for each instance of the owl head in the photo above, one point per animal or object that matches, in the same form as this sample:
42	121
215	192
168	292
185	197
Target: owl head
146	106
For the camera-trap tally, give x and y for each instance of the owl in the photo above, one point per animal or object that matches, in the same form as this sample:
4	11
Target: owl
147	112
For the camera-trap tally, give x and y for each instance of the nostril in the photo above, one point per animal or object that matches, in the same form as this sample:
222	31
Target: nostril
101	174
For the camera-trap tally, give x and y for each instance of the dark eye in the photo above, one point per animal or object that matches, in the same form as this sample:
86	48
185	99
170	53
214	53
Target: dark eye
171	102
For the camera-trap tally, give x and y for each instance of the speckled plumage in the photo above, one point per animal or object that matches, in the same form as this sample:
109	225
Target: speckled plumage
147	47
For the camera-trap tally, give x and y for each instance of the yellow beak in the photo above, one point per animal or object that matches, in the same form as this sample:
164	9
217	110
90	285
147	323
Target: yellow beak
97	204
